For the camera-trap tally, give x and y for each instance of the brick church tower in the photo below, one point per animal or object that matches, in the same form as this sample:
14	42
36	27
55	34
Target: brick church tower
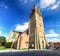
36	30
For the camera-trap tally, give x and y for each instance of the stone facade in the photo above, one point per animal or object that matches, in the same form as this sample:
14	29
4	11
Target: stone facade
23	41
19	39
34	37
36	29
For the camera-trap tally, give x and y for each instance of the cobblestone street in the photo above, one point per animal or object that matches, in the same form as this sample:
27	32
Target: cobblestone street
31	53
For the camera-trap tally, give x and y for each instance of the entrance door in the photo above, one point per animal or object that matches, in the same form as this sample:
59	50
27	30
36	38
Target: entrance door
42	46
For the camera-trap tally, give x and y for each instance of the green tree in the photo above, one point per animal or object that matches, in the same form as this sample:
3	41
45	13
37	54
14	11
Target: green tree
2	40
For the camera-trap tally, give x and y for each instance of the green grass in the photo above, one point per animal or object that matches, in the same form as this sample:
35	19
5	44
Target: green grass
24	49
3	48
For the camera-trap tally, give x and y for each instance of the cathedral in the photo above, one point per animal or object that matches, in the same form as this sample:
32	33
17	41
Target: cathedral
34	36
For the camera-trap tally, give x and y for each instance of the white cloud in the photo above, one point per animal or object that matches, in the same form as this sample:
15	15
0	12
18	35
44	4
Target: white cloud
55	6
3	5
52	33
49	4
46	3
21	28
54	40
0	32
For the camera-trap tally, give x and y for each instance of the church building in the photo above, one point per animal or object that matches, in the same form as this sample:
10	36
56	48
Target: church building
34	36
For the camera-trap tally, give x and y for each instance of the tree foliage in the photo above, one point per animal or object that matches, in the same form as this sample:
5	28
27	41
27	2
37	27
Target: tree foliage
2	40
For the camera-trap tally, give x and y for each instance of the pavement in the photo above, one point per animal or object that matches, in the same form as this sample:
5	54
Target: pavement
2	51
29	53
13	50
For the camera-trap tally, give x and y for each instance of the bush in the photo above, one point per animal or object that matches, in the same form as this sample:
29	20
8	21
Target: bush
8	44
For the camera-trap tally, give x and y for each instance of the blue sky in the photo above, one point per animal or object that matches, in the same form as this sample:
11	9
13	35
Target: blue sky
14	15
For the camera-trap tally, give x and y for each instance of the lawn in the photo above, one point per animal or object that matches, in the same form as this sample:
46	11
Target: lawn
3	48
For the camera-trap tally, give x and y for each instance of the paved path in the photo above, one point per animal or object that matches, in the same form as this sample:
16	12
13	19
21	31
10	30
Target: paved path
4	51
20	50
31	53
